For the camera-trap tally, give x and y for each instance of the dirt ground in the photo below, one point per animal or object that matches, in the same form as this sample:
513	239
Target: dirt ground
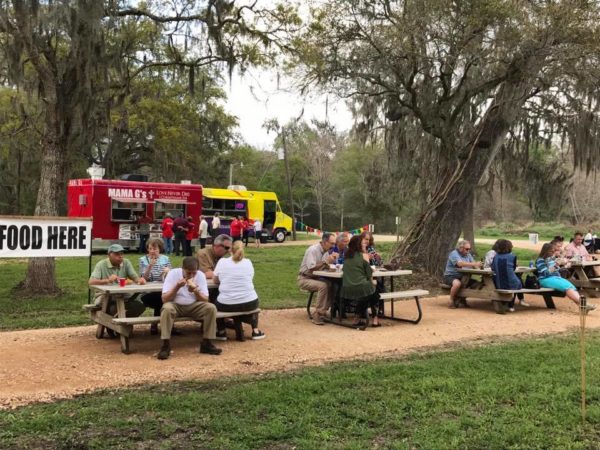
44	365
49	364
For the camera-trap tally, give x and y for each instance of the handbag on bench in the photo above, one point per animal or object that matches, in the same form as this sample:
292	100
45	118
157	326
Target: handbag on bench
531	282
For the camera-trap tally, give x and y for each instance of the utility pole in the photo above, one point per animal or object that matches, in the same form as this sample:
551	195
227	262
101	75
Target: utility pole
231	171
289	180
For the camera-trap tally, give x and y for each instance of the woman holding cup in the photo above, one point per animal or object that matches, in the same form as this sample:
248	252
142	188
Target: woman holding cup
154	267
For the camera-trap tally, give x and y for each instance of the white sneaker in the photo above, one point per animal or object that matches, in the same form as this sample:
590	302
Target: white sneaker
524	303
511	309
221	336
589	307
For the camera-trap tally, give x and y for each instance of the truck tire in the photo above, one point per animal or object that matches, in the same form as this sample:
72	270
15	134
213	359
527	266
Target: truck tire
279	235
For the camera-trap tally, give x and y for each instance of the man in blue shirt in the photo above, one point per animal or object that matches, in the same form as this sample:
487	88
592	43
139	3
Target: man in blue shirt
340	247
458	259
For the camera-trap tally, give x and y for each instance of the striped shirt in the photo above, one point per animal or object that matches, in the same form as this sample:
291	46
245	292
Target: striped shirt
546	268
156	271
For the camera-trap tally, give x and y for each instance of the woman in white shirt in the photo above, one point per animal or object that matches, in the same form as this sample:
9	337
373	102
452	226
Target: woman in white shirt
236	291
257	225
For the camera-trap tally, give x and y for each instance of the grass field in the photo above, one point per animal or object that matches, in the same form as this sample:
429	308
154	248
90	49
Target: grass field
514	395
546	231
276	270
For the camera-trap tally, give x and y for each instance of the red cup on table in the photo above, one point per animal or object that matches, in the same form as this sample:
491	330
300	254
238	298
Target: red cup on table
122	282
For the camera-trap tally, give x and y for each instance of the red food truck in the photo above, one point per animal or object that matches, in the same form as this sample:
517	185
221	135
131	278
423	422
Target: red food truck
116	206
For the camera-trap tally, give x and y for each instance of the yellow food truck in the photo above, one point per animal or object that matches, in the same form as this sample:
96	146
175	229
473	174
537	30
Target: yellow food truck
238	201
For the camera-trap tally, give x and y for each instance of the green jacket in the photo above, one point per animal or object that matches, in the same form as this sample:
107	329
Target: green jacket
356	281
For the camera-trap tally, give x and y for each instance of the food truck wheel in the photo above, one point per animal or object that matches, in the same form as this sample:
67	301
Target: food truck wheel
279	235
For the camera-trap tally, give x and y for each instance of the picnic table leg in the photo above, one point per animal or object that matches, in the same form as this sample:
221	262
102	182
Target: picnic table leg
549	301
125	344
400	319
122	313
499	307
104	308
382	303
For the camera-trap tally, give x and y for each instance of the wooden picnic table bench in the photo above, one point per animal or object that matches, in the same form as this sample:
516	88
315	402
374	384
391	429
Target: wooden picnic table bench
578	276
404	295
338	309
485	289
124	325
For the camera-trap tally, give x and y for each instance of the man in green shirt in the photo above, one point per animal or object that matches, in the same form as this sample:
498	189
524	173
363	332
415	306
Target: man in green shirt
108	271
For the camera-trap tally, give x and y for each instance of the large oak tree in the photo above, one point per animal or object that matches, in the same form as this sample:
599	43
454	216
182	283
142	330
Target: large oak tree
78	58
446	82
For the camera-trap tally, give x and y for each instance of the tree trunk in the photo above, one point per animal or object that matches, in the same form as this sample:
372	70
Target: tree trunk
436	231
468	231
41	278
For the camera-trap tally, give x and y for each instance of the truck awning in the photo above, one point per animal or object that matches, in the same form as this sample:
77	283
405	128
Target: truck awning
131	200
174	201
227	197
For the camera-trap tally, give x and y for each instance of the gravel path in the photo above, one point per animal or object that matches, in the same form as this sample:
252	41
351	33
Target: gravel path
44	365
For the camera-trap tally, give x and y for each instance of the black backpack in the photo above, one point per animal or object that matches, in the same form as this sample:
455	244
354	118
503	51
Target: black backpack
531	282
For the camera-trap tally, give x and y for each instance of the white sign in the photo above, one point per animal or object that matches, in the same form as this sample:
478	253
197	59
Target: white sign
533	238
29	237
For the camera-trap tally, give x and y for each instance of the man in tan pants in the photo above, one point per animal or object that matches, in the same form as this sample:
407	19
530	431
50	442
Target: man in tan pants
314	255
185	294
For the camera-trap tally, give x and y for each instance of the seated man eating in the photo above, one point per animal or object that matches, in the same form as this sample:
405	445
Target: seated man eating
108	271
185	294
458	258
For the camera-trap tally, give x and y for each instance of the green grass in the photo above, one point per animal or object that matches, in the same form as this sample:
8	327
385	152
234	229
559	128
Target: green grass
276	270
546	231
517	395
523	255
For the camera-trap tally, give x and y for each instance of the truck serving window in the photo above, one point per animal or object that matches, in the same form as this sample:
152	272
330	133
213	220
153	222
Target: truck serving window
162	208
126	211
225	207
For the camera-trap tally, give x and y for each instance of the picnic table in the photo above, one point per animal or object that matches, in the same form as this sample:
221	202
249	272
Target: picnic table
589	286
337	308
485	289
121	323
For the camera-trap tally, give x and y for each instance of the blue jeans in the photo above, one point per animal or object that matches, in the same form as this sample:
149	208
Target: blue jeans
168	245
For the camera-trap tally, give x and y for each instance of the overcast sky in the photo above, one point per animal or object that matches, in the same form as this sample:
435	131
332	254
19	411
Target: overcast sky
256	98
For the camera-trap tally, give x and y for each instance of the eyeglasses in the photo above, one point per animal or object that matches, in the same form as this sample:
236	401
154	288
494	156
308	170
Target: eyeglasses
226	247
466	249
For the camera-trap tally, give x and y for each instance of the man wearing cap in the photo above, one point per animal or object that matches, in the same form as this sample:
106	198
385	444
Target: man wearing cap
185	294
108	271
